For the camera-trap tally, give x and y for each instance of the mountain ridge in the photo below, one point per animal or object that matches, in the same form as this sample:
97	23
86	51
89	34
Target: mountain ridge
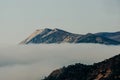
108	69
56	35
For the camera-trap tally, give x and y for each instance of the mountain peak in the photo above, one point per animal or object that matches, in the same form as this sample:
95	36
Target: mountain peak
60	36
57	29
47	29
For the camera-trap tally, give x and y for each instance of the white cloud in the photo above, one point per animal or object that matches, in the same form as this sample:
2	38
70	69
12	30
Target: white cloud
33	62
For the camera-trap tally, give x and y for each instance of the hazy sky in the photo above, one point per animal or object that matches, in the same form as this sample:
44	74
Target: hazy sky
19	18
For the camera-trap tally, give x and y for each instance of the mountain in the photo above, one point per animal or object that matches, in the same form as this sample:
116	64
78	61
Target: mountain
50	36
92	38
60	36
105	70
112	35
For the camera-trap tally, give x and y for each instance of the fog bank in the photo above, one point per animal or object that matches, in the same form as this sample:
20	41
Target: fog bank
33	62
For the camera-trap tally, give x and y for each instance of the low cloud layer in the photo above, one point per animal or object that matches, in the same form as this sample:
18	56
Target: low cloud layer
33	62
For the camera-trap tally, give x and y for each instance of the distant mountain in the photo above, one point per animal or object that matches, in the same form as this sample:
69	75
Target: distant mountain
50	36
60	36
112	35
105	70
92	38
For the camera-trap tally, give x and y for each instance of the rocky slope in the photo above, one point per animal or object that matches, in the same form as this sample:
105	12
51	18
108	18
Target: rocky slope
112	35
60	36
105	70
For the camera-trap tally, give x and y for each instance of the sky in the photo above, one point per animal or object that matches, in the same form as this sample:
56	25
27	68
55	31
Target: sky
19	18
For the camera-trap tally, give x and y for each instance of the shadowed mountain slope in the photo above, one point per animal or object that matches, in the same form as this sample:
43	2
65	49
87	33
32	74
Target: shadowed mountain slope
60	36
112	35
105	70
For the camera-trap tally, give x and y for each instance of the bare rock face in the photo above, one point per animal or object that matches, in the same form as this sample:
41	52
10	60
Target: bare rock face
49	36
105	70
